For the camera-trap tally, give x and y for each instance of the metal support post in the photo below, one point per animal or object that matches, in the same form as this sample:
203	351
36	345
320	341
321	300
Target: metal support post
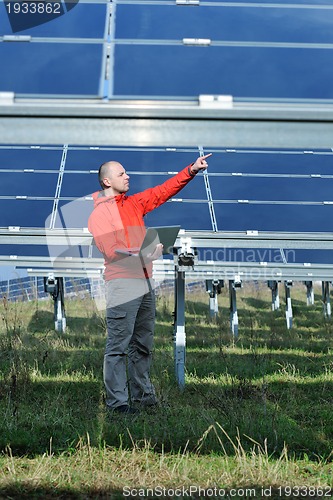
233	284
184	258
274	286
179	328
289	310
309	293
213	287
55	287
325	286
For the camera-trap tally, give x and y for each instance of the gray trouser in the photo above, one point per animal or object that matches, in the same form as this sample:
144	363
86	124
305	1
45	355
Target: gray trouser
130	317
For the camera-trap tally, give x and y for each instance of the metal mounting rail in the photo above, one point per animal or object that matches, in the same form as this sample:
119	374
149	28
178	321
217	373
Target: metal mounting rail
164	269
199	239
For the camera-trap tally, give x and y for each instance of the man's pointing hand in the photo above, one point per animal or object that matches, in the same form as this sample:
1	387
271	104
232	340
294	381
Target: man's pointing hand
200	164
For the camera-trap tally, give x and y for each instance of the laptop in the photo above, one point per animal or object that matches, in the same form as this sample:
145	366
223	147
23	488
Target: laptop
164	234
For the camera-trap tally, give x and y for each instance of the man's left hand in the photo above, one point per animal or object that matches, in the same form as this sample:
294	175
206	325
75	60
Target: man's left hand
156	254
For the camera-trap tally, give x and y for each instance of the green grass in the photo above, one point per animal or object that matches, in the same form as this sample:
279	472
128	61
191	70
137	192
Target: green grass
256	410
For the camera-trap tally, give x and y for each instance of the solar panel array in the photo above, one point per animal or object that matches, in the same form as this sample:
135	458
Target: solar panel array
167	50
243	190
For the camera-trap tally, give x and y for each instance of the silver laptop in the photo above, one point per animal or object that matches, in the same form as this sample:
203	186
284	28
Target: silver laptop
164	234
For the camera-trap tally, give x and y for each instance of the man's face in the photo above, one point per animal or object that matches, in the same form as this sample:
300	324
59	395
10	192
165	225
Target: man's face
117	178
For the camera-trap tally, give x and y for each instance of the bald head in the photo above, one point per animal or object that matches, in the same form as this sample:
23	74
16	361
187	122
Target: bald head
113	178
106	170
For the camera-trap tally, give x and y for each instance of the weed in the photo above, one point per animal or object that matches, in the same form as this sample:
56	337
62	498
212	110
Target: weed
254	412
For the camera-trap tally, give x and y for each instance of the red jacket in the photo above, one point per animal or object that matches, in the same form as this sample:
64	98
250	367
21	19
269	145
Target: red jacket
116	223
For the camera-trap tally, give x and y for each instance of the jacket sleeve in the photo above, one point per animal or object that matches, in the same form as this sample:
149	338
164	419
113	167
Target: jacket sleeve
154	197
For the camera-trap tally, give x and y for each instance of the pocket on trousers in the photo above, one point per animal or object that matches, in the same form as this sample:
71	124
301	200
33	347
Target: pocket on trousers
116	314
116	323
117	332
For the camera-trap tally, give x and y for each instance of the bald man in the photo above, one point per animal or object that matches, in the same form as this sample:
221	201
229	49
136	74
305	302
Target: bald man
117	223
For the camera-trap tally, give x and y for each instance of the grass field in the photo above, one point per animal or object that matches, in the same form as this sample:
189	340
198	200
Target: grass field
255	418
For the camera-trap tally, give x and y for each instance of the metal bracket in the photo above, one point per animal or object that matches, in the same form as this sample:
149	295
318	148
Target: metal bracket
186	255
289	311
309	293
214	287
274	286
55	287
233	285
179	328
325	286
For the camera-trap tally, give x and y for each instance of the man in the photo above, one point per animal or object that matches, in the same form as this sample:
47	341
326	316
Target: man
117	224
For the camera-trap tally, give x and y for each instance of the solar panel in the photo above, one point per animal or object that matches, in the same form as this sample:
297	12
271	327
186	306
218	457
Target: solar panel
252	73
68	69
224	22
246	50
134	159
30	157
77	24
24	212
165	50
250	189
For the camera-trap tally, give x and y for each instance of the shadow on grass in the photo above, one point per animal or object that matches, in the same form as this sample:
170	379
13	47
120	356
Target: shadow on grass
260	327
27	492
278	414
210	418
256	364
44	321
253	491
37	416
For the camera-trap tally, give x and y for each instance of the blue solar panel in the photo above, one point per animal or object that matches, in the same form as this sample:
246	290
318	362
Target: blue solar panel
28	184
272	189
24	212
227	23
27	158
77	185
242	72
251	189
287	162
133	159
291	218
240	61
47	68
190	215
240	202
254	50
310	256
53	251
86	20
74	214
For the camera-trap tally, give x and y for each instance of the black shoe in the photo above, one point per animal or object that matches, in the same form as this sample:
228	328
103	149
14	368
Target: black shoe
147	403
125	409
